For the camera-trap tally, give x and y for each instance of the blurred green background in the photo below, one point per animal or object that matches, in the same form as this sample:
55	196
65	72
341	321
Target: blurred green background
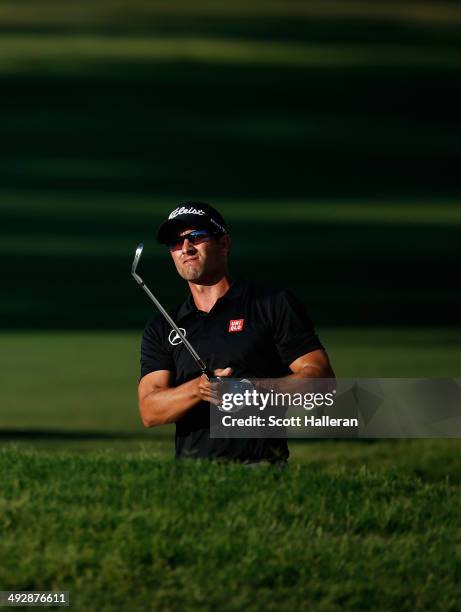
328	134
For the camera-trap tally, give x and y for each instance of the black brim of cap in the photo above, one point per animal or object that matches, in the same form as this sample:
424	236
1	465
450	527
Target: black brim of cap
170	228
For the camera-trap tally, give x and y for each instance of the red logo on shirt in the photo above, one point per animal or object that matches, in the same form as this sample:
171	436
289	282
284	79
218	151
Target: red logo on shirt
236	325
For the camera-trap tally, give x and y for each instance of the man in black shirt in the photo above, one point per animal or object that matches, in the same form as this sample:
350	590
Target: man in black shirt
238	328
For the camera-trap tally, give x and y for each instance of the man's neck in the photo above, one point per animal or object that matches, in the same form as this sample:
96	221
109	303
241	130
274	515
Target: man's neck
206	296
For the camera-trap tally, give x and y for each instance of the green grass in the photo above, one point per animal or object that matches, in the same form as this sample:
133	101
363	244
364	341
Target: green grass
64	54
103	13
78	389
88	380
139	532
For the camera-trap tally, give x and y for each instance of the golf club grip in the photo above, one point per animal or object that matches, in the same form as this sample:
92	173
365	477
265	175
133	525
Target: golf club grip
209	374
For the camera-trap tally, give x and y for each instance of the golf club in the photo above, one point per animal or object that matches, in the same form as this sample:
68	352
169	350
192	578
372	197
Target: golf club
201	364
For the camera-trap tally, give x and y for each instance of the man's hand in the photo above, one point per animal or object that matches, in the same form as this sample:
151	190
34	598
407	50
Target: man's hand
208	391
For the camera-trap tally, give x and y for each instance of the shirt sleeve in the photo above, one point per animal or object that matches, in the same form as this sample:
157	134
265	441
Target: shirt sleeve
294	332
154	350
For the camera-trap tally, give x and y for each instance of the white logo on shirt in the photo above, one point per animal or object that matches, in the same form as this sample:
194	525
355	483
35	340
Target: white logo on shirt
185	211
174	338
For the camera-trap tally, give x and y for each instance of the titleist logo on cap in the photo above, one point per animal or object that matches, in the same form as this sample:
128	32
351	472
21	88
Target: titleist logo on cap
185	211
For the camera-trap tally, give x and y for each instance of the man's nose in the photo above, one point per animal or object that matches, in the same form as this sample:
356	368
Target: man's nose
186	246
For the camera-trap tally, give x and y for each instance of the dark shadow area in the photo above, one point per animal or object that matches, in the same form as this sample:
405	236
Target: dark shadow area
377	128
234	130
347	274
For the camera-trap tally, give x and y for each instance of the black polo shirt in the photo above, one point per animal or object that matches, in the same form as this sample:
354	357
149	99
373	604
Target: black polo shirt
255	330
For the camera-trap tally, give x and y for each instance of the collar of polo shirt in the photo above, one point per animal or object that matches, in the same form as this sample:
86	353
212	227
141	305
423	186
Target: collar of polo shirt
189	306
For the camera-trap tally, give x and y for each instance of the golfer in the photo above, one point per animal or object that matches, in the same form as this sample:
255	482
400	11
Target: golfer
240	329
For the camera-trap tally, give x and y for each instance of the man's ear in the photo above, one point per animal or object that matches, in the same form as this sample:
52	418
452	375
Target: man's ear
226	242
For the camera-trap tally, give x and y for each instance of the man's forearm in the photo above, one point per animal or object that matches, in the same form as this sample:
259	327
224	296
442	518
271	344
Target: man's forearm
297	381
312	371
168	405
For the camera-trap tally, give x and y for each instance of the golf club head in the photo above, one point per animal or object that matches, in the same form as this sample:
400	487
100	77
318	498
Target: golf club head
232	387
137	257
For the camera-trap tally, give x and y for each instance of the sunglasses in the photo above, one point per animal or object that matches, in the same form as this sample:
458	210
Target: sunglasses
194	237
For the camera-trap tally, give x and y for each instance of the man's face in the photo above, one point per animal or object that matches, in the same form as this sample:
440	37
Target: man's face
203	262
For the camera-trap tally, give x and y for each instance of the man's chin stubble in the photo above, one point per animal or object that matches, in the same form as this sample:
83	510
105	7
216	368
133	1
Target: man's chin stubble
191	275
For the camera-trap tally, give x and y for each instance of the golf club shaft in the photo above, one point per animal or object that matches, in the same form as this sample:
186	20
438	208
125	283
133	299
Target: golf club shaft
184	340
